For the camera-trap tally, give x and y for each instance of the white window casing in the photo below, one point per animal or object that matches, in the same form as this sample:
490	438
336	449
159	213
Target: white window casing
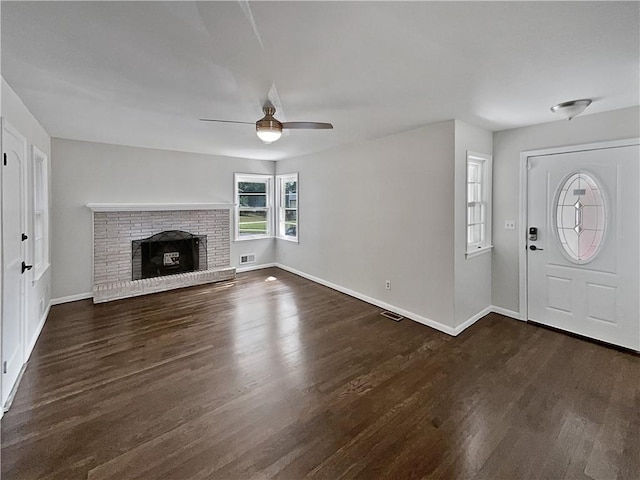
478	205
253	211
287	203
40	243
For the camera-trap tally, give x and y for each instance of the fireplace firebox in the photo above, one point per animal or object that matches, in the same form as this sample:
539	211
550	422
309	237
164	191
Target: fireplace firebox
168	253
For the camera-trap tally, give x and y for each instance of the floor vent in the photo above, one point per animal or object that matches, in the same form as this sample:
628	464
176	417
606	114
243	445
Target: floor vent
393	316
248	258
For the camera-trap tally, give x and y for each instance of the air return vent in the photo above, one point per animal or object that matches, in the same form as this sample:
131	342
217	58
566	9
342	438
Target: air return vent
248	258
393	316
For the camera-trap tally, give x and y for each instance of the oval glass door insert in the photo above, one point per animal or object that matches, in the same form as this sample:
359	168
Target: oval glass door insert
580	217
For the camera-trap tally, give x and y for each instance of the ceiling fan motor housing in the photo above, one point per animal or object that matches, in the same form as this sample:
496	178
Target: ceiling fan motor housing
268	122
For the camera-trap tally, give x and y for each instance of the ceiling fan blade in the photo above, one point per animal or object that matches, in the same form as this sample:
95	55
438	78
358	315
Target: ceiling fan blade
310	125
225	121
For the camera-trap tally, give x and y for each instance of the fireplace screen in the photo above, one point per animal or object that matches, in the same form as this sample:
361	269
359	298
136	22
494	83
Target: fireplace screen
168	253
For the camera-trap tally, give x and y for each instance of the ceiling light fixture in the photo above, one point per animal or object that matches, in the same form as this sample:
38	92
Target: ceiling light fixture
572	108
268	128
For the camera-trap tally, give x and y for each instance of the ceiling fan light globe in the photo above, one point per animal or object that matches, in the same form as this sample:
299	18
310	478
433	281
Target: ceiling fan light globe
268	135
268	128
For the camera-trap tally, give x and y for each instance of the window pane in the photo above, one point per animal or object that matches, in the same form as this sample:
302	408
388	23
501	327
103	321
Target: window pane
475	214
39	254
38	223
290	229
291	200
473	173
39	184
252	223
474	192
474	233
253	201
290	187
290	215
252	187
580	217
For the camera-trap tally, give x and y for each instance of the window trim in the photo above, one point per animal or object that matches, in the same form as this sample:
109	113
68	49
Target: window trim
281	179
40	164
486	163
249	177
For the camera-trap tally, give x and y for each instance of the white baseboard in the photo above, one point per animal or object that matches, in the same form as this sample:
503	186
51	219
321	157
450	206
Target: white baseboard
507	313
36	334
378	303
71	298
467	323
251	268
27	355
365	298
12	394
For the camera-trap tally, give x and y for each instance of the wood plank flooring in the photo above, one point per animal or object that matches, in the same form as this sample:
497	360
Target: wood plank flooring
288	379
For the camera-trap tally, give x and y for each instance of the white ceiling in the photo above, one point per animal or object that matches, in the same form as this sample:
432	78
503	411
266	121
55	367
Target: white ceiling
142	73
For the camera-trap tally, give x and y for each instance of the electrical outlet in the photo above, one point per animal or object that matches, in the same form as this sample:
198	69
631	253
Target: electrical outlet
509	224
387	284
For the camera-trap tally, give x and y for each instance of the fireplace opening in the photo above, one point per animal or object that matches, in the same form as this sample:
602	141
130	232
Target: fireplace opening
168	253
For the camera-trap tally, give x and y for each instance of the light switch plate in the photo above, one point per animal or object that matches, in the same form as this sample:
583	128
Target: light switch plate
509	224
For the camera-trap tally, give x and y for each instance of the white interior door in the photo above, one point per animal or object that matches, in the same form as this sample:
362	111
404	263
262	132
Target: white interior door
583	268
13	250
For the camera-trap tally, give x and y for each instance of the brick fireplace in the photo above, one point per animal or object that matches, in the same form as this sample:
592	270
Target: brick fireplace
118	228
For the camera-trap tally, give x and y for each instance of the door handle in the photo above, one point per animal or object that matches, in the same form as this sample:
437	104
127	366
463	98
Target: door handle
26	267
534	248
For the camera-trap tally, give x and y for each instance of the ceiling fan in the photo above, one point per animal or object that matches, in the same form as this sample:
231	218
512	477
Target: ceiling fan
269	129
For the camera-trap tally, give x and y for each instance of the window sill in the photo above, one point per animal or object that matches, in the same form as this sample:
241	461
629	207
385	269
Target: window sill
253	237
479	251
37	274
287	239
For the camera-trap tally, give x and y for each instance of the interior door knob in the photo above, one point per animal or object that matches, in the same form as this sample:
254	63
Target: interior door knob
534	248
26	267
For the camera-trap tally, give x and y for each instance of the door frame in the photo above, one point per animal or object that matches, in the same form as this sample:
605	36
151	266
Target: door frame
24	193
524	198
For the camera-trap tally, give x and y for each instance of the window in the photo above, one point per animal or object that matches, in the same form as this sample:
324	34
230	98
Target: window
580	217
253	211
40	212
256	200
287	204
478	203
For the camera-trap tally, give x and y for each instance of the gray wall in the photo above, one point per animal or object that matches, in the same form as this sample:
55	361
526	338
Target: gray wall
86	172
380	210
386	209
38	291
508	144
472	275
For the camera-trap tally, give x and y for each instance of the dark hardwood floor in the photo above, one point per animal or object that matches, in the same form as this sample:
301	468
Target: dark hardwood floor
289	379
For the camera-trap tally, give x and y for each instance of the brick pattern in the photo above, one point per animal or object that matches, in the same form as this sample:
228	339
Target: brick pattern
113	233
133	288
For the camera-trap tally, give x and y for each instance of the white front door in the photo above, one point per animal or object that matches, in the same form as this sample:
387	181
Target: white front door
13	249
583	262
